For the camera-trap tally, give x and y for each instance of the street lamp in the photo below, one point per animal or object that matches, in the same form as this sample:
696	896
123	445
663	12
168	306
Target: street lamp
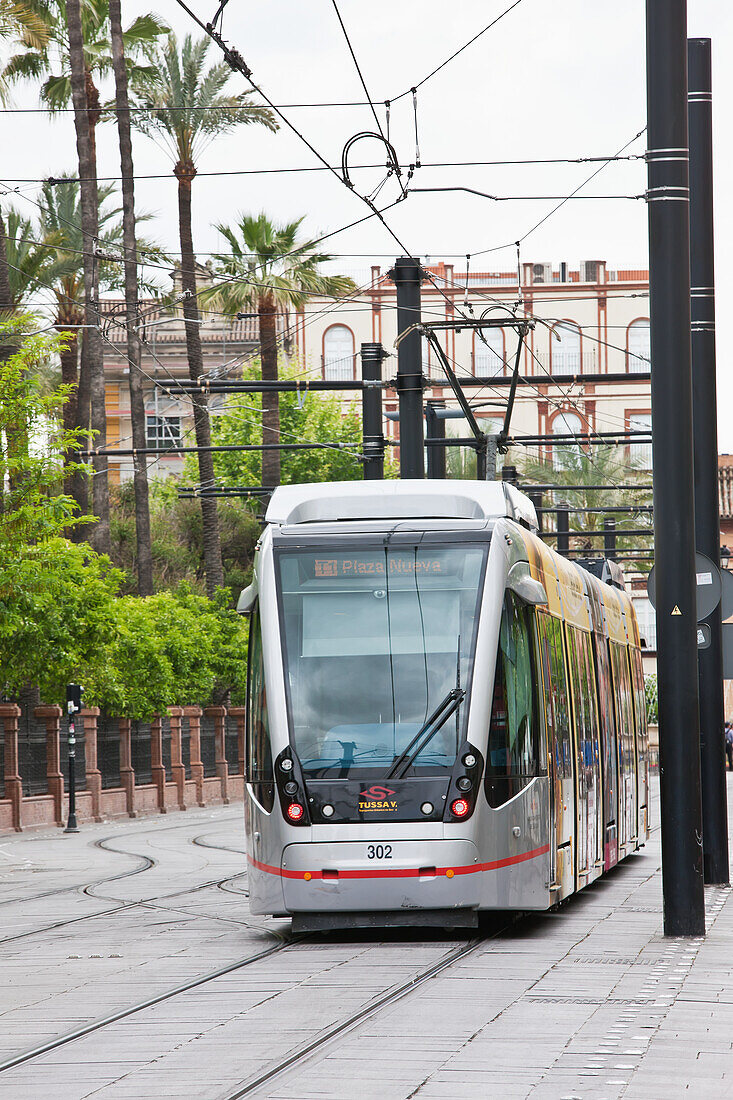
74	693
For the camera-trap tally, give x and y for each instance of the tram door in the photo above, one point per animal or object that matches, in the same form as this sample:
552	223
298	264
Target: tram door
626	751
642	742
609	755
559	752
588	797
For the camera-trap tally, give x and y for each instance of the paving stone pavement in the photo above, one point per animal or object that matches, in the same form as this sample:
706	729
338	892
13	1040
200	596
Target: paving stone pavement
587	1003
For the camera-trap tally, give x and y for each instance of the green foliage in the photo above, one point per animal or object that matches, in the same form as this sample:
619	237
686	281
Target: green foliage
268	264
650	691
32	441
56	616
186	104
44	46
172	648
304	418
176	531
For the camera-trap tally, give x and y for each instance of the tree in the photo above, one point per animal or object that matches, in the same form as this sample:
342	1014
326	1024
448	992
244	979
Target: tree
310	418
576	465
76	49
49	256
186	105
33	508
267	270
137	399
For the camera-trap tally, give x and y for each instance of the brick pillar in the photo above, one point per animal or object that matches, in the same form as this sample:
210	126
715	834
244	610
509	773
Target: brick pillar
194	743
157	767
222	769
89	716
239	713
127	773
178	769
9	715
52	717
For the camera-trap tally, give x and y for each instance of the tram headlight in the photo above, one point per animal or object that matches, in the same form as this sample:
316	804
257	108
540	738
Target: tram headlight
291	787
295	811
427	808
464	783
469	760
286	764
460	807
327	810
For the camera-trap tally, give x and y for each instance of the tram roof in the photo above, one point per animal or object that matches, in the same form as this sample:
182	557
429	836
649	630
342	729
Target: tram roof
404	499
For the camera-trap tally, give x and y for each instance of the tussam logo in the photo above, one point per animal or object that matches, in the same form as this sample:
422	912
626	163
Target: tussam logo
377	798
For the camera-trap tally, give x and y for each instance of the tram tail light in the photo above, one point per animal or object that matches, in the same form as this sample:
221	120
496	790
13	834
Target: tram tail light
295	811
460	808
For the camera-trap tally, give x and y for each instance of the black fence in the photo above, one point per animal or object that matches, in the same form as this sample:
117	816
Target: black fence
140	752
108	751
208	744
33	750
231	745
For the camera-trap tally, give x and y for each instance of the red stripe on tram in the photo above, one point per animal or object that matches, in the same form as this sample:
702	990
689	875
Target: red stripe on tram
407	872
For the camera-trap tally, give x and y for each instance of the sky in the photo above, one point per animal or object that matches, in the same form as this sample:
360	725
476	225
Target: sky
552	79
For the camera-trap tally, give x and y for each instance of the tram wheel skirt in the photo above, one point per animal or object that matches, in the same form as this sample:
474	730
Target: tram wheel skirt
387	918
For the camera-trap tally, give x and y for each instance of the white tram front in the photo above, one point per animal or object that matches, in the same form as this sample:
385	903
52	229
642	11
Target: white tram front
420	743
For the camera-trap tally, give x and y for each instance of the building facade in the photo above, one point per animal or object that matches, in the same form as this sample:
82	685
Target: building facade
588	321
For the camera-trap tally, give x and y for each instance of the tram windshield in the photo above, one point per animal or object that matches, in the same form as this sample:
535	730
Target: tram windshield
375	639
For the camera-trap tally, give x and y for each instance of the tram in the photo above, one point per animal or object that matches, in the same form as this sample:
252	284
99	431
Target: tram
444	716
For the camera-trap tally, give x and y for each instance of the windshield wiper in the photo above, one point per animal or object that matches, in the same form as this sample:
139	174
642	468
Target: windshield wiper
426	733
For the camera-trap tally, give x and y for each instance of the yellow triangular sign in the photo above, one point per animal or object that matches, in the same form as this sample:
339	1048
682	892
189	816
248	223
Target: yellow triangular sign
676	610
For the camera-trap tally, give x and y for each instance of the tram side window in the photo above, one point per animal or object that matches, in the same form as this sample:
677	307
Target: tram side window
557	708
624	708
513	735
260	773
637	675
584	688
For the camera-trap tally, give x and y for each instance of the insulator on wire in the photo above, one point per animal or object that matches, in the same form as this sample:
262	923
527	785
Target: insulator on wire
417	142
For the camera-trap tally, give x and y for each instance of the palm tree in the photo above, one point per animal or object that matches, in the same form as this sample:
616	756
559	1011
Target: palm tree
268	270
75	51
187	107
137	399
45	56
51	255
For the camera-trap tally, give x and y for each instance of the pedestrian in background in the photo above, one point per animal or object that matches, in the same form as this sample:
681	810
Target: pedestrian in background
729	743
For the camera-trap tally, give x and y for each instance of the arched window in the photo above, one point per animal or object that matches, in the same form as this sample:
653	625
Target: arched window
565	453
488	353
338	353
565	357
639	352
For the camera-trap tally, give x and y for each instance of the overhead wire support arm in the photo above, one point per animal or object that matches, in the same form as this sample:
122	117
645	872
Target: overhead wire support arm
501	441
455	385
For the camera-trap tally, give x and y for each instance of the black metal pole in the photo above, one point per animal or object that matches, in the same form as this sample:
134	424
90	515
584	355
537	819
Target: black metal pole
371	406
71	825
674	503
406	276
563	529
609	537
435	429
705	440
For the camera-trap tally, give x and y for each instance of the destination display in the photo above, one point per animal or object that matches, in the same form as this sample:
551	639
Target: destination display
371	565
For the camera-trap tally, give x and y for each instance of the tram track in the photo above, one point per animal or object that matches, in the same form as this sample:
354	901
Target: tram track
105	1021
383	1000
148	862
112	878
